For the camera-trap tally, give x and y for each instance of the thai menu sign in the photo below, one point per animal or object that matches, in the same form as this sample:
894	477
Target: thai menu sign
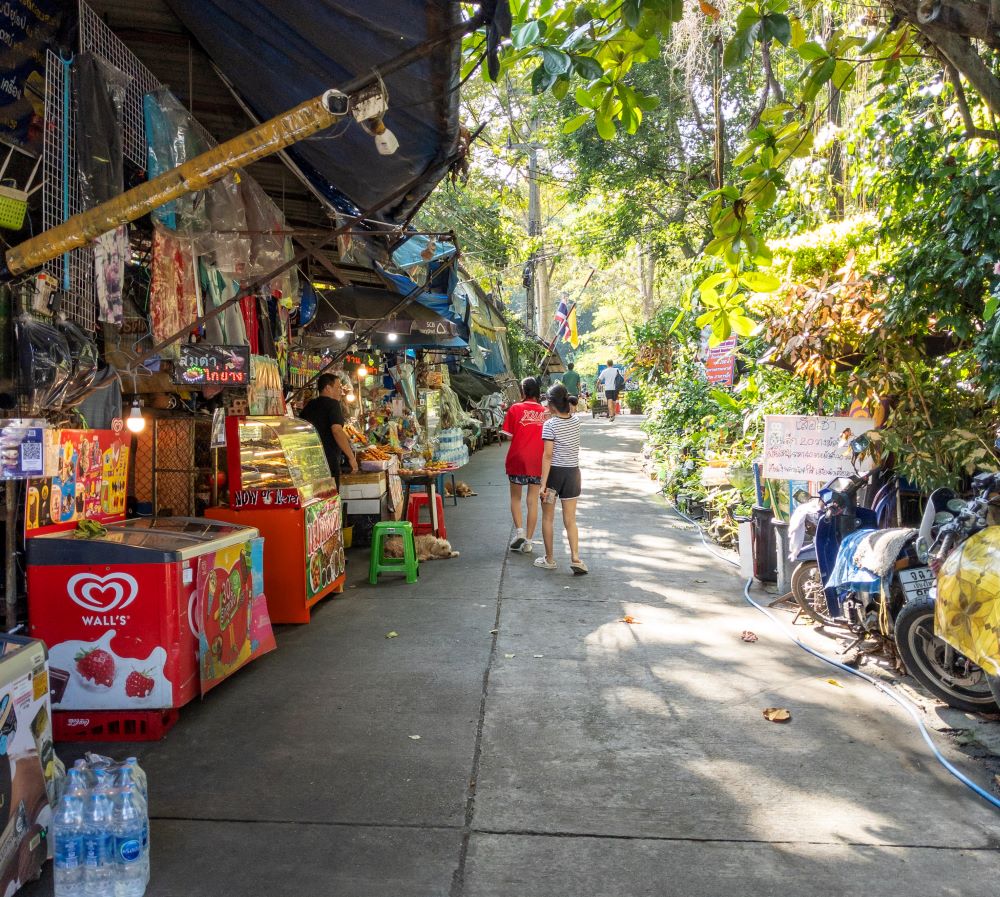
201	365
809	447
324	545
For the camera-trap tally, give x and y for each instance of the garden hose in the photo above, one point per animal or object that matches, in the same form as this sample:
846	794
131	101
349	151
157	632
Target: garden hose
905	703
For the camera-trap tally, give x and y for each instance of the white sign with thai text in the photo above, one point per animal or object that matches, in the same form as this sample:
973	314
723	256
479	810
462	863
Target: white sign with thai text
809	447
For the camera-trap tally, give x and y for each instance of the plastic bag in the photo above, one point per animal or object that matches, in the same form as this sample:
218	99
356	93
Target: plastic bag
100	94
85	358
44	365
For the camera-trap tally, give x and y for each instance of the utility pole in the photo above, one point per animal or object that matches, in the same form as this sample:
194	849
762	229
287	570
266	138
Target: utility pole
537	308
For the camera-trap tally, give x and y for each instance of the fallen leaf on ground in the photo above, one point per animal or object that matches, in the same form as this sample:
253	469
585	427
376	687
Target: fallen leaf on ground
777	714
509	656
748	636
628	618
836	683
414	738
392	634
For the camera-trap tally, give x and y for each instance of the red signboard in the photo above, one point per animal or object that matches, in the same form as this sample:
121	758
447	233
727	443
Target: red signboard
91	483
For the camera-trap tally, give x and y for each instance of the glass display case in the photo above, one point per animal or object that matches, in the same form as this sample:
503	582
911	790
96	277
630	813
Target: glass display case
279	456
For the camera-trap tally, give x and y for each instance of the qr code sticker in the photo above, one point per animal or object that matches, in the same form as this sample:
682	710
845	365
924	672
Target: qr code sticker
31	456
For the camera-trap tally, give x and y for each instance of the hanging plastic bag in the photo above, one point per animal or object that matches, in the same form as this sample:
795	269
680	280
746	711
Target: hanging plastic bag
99	89
44	365
85	359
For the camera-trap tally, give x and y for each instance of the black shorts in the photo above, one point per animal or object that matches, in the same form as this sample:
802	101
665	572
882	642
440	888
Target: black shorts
611	395
564	481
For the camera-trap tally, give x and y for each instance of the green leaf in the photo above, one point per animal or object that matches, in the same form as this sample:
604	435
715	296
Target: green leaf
560	88
605	126
526	34
739	49
778	27
711	282
725	400
556	62
587	67
811	51
541	80
703	320
576	122
677	321
586	99
991	307
743	326
759	282
721	329
632	12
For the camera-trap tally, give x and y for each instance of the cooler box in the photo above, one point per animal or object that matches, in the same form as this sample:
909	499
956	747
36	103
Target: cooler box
118	612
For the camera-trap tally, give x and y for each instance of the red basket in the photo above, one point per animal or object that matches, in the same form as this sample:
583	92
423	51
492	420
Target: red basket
112	725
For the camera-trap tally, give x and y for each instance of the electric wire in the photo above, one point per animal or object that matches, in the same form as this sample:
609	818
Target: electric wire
903	702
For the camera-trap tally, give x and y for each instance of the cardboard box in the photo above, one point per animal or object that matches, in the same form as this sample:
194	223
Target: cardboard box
364	506
27	761
354	486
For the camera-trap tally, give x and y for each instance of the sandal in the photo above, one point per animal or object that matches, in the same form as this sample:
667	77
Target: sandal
579	568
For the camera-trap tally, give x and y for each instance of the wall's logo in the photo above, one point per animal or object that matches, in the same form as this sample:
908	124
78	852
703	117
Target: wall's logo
102	594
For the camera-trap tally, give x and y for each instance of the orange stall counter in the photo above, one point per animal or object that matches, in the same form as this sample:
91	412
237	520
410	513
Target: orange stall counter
280	483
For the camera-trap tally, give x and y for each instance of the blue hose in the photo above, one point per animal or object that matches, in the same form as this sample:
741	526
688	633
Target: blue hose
907	705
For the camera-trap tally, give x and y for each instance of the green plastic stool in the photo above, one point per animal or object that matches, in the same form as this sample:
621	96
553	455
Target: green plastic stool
407	564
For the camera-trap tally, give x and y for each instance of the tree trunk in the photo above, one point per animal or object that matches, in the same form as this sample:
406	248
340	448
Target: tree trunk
647	280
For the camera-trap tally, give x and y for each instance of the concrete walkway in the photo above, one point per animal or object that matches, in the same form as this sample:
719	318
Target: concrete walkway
518	740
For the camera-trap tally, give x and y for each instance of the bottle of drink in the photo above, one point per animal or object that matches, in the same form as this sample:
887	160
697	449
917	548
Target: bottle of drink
98	840
138	776
67	834
131	860
128	775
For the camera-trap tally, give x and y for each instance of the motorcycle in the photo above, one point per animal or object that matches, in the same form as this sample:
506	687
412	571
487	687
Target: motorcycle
948	638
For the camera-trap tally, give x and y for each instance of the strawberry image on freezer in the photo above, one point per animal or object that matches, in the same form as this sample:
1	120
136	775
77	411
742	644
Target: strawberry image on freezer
102	675
96	666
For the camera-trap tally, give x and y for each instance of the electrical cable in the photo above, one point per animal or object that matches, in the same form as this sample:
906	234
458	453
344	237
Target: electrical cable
905	703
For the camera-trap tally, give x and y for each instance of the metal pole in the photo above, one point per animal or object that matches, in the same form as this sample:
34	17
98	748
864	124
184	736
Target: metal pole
534	229
10	580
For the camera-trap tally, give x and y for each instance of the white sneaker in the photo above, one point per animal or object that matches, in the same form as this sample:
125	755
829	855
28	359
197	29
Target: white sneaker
544	564
519	540
528	546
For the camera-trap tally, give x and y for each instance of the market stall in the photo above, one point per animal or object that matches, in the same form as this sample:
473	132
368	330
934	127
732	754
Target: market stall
279	482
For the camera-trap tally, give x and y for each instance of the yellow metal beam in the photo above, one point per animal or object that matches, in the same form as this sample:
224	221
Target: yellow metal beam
200	172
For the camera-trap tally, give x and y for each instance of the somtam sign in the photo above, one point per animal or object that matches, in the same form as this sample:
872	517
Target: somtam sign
809	447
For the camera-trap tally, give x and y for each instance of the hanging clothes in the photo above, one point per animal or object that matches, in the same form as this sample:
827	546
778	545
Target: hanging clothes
110	254
173	298
227	329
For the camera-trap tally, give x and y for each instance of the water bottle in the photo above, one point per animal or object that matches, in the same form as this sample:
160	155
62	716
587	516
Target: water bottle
131	860
138	776
98	839
129	774
67	833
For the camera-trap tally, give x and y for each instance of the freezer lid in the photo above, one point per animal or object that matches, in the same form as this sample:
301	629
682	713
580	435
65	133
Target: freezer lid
145	540
194	536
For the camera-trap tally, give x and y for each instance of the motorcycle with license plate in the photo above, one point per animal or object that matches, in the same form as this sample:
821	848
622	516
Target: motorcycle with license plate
954	633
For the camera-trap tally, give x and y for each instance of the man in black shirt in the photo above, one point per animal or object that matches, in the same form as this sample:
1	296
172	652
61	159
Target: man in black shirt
326	414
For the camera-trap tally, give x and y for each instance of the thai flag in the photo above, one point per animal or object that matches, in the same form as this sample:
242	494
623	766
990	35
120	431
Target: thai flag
562	315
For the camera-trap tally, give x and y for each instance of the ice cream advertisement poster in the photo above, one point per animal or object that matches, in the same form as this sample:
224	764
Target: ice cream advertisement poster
234	625
90	482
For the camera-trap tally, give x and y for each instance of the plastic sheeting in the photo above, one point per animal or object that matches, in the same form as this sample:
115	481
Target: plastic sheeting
100	92
411	253
279	52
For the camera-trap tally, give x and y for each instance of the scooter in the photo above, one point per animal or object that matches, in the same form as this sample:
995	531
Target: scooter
949	638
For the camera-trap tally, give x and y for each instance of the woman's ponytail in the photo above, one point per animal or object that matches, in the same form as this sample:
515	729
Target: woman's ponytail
560	399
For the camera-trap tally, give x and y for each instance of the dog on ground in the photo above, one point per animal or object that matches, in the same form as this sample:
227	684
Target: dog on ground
429	547
463	490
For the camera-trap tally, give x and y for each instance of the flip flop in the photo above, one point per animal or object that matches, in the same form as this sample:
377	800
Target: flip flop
579	568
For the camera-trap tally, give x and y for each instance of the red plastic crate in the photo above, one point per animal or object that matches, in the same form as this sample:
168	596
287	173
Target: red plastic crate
112	725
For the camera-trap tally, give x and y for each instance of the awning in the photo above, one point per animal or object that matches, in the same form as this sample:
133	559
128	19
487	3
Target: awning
277	53
358	309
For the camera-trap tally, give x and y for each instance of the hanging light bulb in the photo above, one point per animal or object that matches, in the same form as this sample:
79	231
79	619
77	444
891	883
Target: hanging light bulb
362	372
385	141
135	422
339	333
392	336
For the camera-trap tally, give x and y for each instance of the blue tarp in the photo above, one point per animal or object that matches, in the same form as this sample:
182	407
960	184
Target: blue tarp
408	254
437	302
278	53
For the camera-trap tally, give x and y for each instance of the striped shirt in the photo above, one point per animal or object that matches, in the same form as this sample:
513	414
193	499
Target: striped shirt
565	433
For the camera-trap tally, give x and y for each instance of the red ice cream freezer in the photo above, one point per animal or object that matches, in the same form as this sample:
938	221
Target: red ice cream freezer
149	615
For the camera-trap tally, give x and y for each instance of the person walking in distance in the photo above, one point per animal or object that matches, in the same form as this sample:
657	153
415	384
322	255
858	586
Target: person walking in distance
610	378
523	425
561	476
571	380
326	414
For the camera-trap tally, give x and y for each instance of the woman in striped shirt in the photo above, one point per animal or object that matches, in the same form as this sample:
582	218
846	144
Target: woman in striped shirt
561	476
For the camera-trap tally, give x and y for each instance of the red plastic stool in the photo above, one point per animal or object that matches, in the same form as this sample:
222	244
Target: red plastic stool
420	500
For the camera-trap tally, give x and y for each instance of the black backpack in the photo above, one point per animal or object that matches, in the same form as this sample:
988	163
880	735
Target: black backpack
619	382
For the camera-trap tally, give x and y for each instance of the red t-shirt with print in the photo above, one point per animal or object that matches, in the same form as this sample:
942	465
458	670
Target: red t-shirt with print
523	424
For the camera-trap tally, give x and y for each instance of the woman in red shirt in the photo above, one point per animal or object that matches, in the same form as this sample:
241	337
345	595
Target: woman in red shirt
523	426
